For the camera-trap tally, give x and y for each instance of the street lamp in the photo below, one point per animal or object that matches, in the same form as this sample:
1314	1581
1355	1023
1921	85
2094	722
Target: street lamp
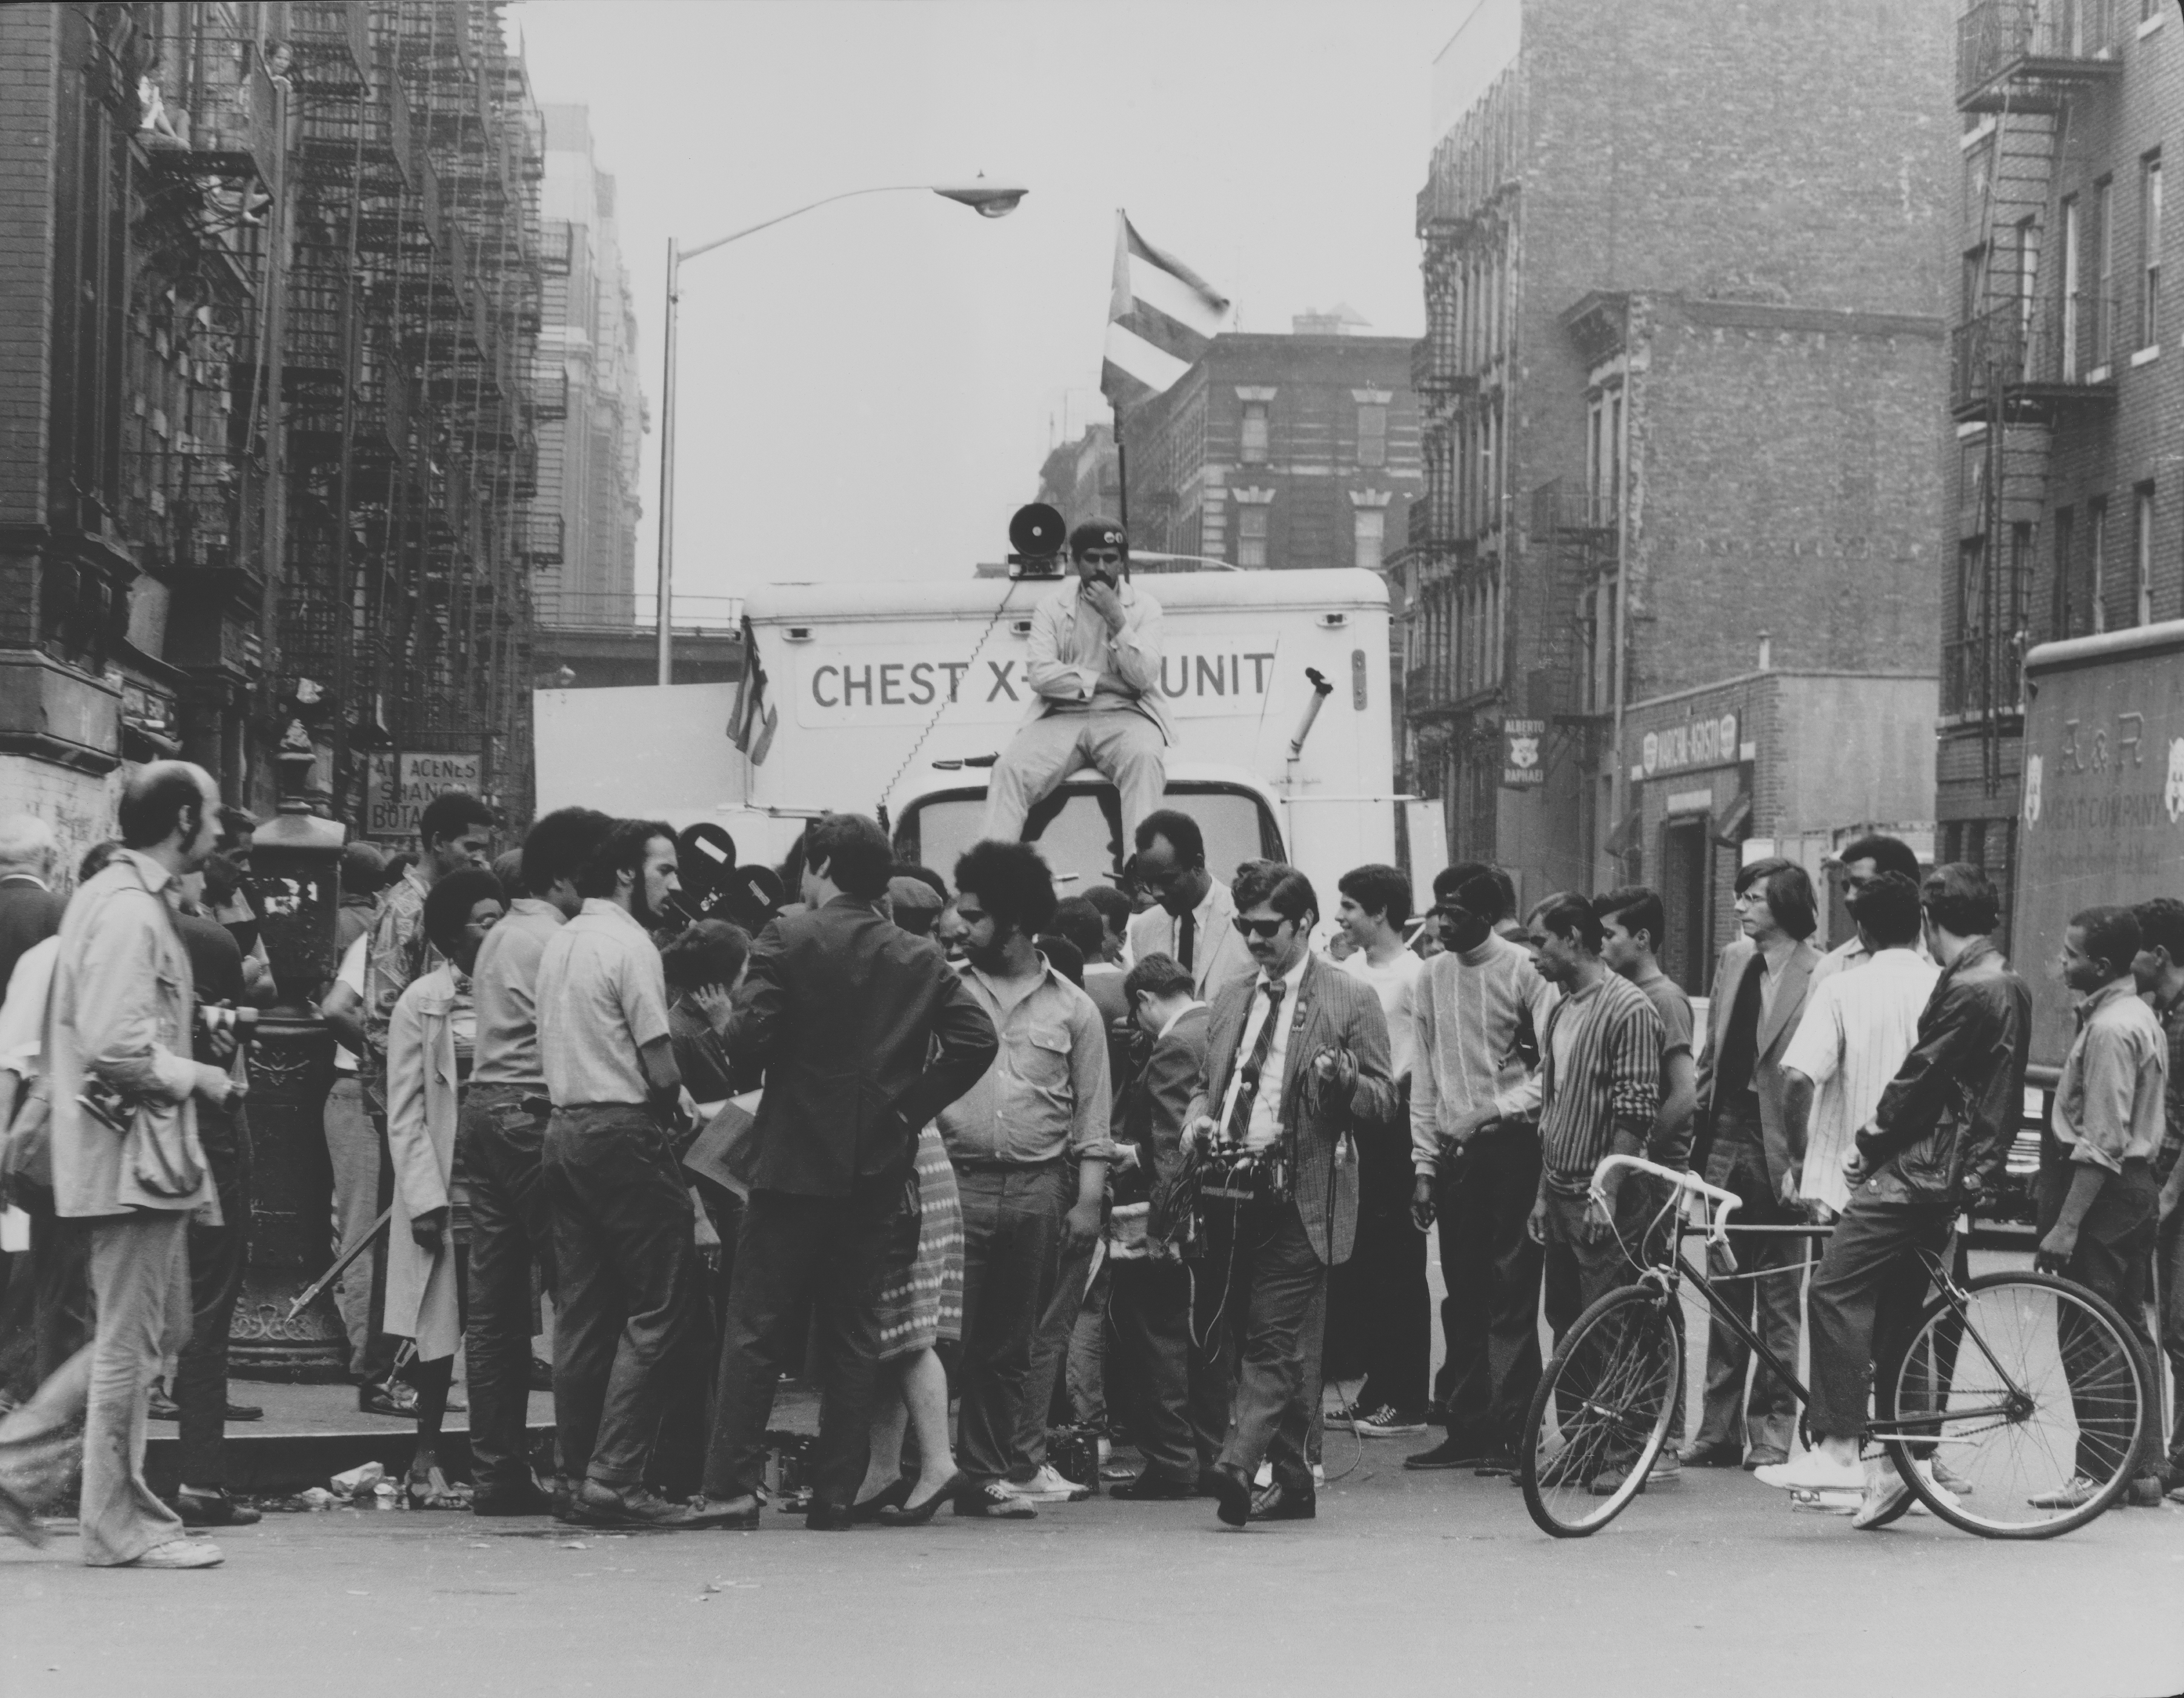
988	200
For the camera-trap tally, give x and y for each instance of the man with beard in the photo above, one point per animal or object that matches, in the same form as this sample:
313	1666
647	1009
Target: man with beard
622	1219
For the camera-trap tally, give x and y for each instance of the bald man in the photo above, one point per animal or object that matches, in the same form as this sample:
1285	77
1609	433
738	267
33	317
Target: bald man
122	1010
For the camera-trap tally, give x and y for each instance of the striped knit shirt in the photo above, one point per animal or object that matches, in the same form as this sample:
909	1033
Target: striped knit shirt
1858	1026
1468	1009
1600	1068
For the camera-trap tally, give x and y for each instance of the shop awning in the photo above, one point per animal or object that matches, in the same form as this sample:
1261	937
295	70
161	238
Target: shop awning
1736	822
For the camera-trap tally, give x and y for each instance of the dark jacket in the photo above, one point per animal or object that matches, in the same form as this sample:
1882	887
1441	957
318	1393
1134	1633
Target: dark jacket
865	1033
1947	1117
1333	1009
1784	1142
1156	1109
29	914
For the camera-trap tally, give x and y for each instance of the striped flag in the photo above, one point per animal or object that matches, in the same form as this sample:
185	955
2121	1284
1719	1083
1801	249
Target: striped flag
1162	316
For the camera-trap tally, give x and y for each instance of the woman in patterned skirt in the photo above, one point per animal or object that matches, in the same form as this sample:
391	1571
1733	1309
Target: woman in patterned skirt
921	1308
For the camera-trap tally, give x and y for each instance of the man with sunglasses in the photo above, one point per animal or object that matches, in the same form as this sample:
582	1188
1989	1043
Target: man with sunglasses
1094	664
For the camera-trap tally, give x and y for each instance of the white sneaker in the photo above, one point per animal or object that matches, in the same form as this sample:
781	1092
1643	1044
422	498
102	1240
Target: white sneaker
2078	1490
1047	1486
179	1553
1813	1471
1318	1476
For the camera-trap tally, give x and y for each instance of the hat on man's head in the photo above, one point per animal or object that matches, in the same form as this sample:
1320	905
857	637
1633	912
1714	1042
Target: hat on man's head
905	892
1097	533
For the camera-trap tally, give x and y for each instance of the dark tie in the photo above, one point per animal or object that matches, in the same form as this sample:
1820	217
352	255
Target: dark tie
1240	1117
1186	935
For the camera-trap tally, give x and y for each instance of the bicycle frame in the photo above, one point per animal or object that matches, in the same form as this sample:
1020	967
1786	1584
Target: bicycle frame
1666	1273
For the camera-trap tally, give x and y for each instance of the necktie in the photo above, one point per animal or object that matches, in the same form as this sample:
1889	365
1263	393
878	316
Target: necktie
1186	934
1240	1116
1740	1039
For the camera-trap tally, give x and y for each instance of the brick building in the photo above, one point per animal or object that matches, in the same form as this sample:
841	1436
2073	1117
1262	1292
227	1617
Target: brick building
2066	498
1276	451
269	292
1669	586
1081	479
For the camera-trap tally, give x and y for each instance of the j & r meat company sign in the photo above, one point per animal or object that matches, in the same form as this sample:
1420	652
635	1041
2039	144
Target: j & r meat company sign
884	684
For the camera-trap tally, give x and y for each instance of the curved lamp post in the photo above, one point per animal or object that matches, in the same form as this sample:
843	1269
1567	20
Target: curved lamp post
988	200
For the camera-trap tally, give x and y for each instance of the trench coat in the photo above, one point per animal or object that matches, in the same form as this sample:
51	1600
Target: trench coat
421	1104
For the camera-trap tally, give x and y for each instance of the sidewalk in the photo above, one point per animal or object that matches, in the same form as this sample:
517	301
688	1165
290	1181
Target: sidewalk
310	1432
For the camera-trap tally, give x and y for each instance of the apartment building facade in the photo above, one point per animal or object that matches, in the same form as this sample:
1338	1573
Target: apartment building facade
1685	282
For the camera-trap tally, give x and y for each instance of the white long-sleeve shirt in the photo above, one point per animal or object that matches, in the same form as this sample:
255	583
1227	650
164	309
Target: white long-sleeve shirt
1073	662
1466	1012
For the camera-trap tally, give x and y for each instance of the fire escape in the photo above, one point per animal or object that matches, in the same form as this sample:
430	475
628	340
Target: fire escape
2034	347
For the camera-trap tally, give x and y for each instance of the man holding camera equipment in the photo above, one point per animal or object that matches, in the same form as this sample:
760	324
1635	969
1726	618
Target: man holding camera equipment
127	1157
1093	660
1294	1055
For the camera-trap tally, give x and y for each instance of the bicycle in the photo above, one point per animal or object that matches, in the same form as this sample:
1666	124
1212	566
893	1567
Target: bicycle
2032	1384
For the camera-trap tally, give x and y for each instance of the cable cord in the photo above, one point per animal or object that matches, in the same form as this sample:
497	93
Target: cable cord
947	702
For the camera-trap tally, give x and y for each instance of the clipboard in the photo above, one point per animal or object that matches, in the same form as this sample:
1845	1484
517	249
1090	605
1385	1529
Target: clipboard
725	1150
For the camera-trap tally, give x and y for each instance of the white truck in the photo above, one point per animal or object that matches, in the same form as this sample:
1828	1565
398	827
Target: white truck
870	699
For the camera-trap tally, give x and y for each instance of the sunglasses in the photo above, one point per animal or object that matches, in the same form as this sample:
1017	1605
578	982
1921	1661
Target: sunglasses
1259	929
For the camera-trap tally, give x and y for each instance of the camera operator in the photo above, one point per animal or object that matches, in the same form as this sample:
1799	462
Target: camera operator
1316	1038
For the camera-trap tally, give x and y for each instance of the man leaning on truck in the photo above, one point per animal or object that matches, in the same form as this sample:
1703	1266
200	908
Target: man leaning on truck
1094	662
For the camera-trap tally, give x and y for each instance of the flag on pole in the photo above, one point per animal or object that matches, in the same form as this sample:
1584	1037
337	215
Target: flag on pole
752	721
1162	316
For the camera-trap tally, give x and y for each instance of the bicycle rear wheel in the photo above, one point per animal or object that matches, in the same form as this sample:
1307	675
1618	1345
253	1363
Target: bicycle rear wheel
1600	1412
2036	1394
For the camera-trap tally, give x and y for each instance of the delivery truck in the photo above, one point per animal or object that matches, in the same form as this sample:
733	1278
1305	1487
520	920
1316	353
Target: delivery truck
2100	810
893	700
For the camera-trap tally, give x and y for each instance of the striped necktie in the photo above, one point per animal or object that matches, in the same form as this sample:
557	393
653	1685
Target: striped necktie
1240	1116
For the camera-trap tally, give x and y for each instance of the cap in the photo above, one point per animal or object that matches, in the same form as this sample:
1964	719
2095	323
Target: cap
1097	533
905	892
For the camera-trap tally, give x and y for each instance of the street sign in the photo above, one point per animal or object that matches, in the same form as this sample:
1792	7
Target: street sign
397	786
1524	753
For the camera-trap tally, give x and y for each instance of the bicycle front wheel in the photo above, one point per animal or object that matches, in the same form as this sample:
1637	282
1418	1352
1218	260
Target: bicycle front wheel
2019	1414
1600	1412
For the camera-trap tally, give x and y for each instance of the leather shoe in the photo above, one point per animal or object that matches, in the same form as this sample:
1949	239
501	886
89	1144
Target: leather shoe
738	1513
1151	1488
1722	1456
1765	1456
387	1397
1234	1492
829	1517
524	1499
1286	1501
604	1506
244	1411
212	1509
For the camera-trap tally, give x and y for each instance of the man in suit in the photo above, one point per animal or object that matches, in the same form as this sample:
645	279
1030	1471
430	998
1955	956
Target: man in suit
865	1034
1294	1055
1193	909
1754	1146
1178	1375
30	912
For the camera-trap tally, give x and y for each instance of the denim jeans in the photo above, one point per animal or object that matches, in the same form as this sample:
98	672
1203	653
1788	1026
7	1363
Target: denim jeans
501	1139
627	1305
1866	1297
1011	1261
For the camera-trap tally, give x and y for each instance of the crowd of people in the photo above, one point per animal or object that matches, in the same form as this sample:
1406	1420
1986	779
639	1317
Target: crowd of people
1155	1167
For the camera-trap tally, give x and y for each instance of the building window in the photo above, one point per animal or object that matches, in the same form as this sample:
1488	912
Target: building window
1369	534
2096	577
1372	435
2141	555
2073	284
2150	250
1252	448
2062	614
2103	238
1251	535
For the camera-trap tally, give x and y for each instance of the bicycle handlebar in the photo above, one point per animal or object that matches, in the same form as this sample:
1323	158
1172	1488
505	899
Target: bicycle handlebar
1724	1201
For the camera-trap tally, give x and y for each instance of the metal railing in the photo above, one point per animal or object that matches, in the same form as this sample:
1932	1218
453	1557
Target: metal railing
1995	37
2041	343
628	610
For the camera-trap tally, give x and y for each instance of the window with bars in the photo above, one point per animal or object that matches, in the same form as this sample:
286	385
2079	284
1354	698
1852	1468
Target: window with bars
2150	250
2141	555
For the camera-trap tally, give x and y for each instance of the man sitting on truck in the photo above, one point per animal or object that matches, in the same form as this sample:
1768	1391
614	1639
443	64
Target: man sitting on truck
1095	664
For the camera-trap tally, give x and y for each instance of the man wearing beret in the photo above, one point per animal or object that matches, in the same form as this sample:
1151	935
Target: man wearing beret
1095	667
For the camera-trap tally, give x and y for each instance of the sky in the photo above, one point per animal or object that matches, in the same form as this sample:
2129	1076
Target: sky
867	392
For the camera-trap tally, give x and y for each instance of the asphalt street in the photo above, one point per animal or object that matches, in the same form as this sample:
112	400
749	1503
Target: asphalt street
1405	1583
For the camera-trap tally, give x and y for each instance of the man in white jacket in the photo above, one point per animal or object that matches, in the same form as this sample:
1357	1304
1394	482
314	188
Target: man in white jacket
1094	661
120	1032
